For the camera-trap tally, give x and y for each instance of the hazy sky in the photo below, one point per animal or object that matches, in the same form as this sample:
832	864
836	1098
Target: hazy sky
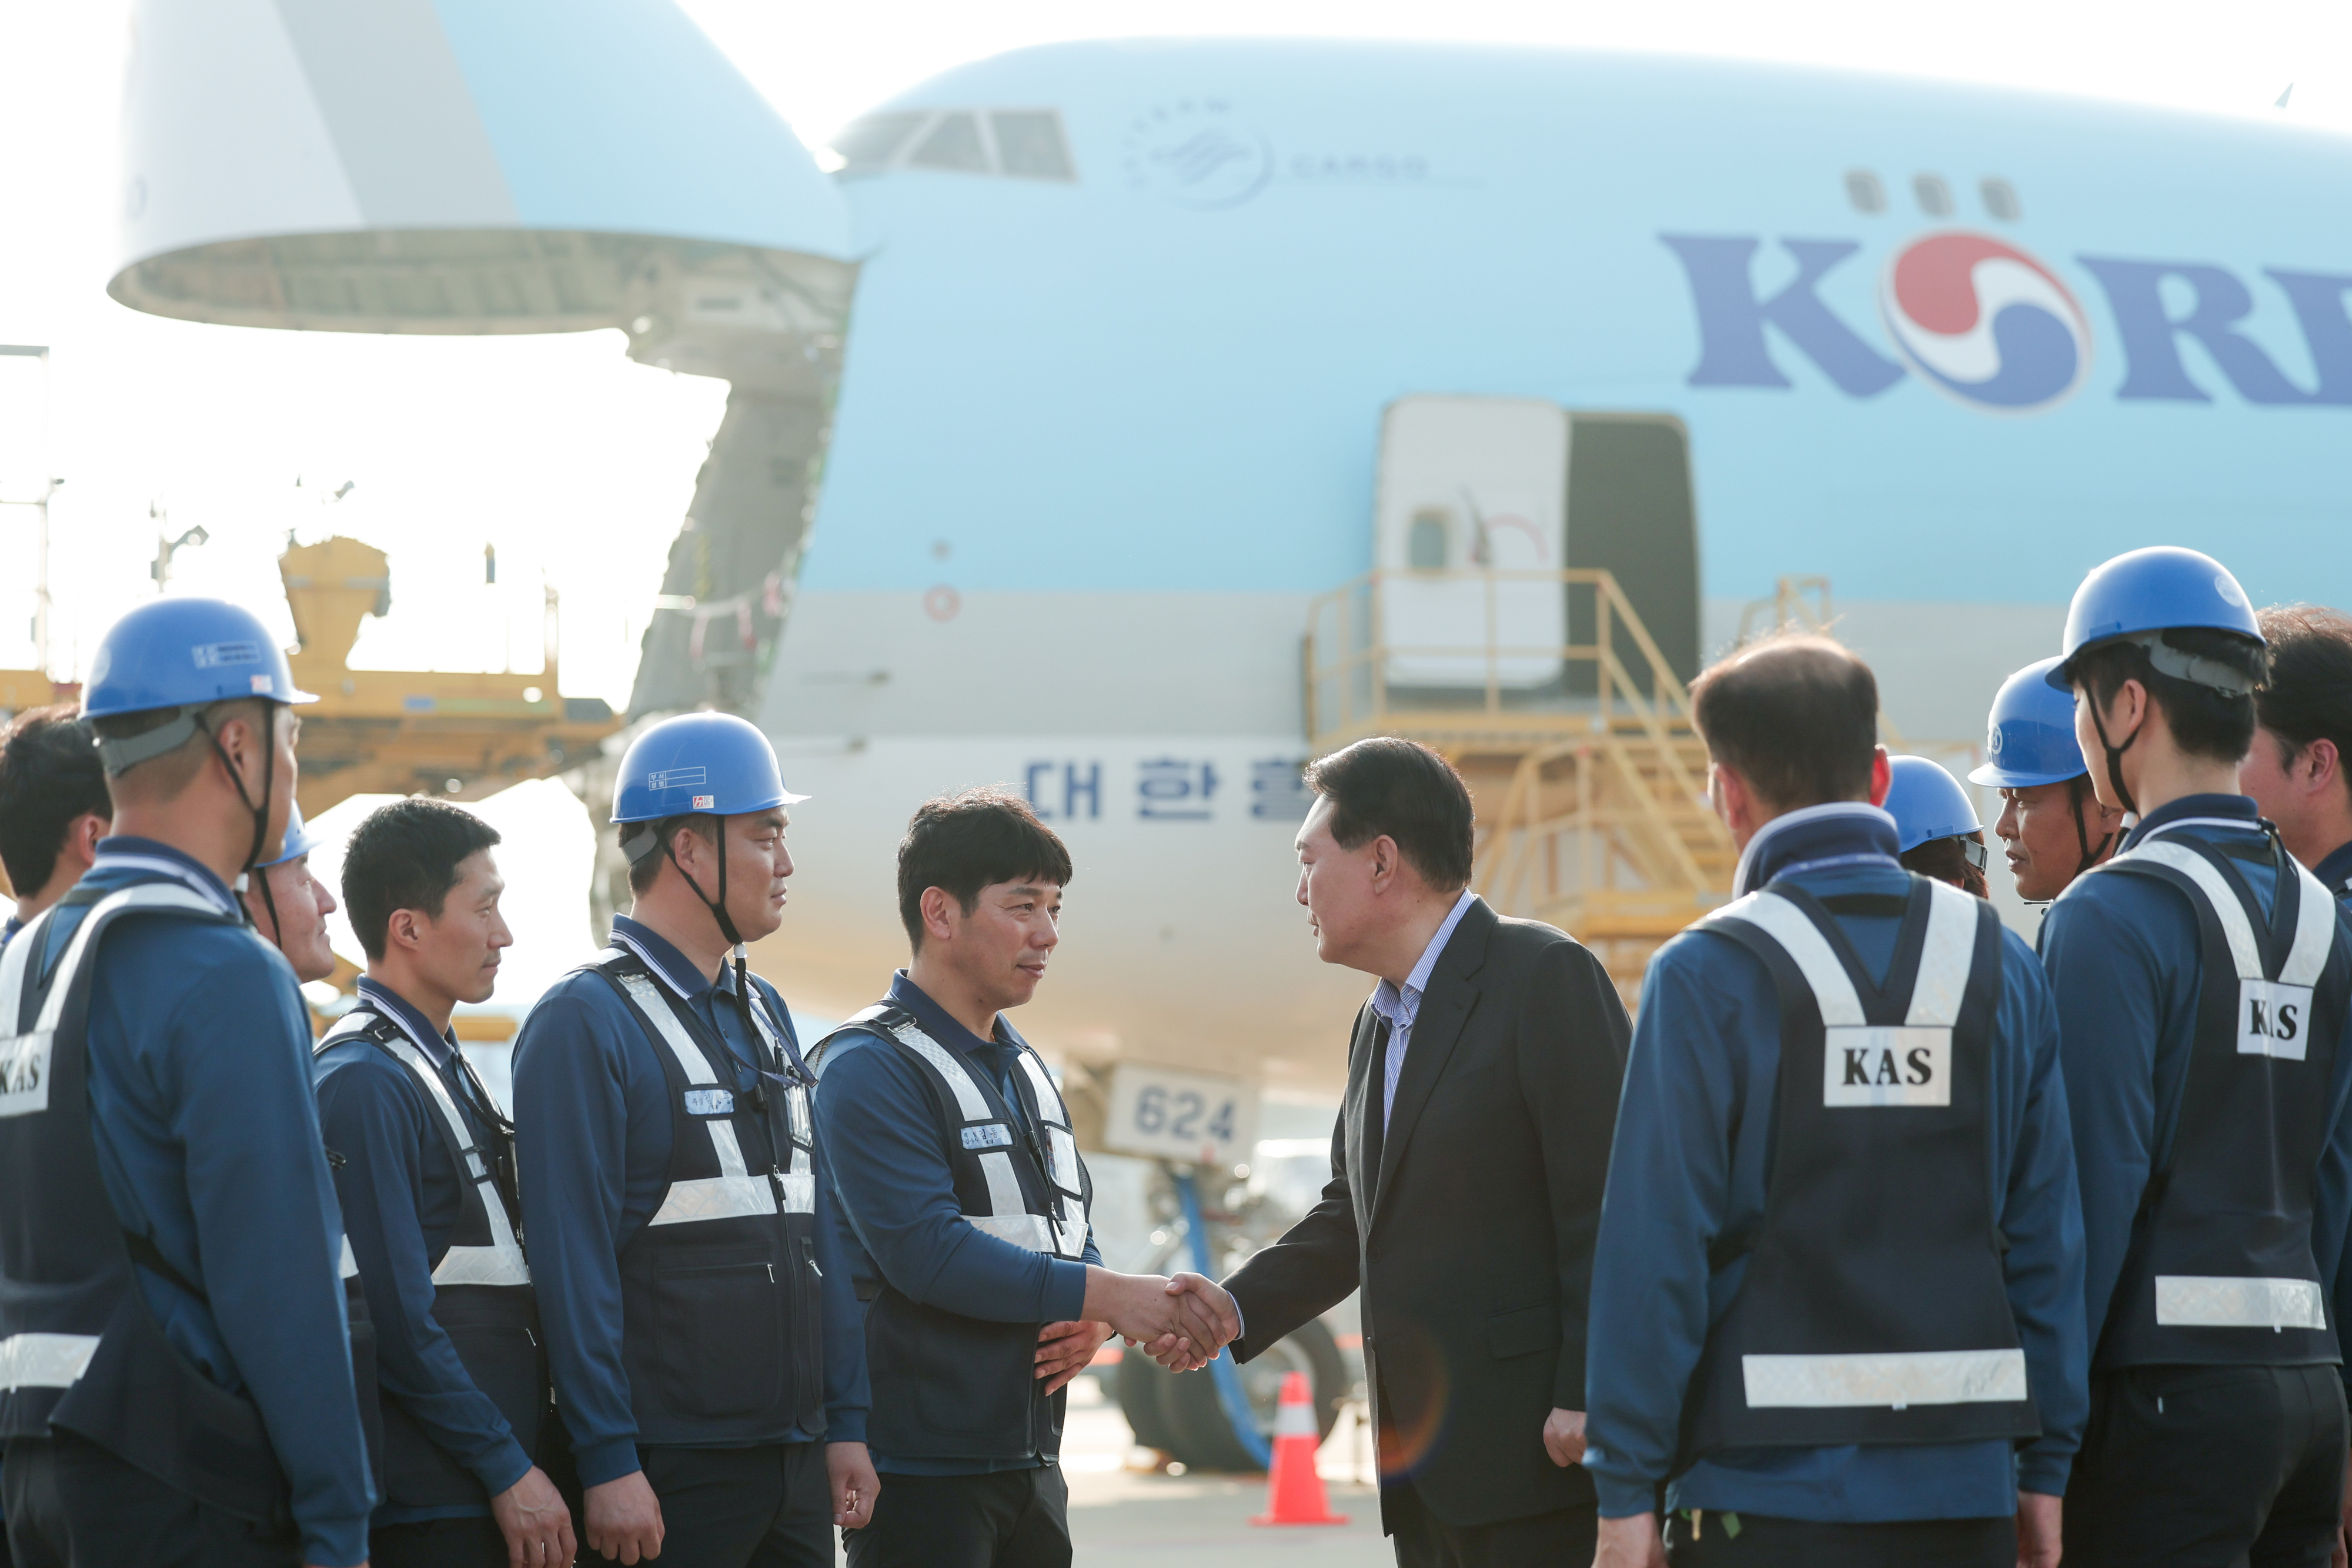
578	464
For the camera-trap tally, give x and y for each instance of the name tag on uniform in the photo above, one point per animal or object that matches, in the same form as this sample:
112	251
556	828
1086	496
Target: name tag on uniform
25	1073
1887	1065
2273	1019
996	1136
710	1103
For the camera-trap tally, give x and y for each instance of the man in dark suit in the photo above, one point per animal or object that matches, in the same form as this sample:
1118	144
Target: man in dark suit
1466	1172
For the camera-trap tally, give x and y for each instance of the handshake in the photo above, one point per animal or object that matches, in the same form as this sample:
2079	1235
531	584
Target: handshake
1182	1323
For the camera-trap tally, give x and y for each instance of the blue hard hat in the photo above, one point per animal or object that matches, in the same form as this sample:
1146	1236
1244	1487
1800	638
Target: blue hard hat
1927	802
178	654
2147	592
185	652
699	762
2030	736
299	840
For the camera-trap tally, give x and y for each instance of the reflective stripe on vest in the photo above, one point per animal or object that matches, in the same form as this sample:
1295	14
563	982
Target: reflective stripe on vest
734	1193
2203	1302
24	1058
499	1263
1926	1026
800	1182
2261	997
1009	1217
1927	1377
45	1360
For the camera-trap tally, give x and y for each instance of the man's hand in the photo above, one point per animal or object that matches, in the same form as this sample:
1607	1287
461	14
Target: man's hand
538	1527
1211	1320
1564	1436
624	1519
1631	1543
2343	1557
1065	1350
1139	1306
2037	1529
850	1468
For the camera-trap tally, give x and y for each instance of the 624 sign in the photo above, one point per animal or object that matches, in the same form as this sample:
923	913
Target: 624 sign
1196	1118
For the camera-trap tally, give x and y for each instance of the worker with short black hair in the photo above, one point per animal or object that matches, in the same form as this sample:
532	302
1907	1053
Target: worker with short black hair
2202	980
1837	1294
2053	825
963	1205
2299	772
179	1357
427	1184
53	807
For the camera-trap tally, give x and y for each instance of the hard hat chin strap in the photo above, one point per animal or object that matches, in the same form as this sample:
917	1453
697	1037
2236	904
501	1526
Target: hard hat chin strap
718	908
2114	759
260	815
2083	832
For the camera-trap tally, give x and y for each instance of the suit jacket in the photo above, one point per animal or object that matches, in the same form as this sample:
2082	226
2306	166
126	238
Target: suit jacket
1473	1241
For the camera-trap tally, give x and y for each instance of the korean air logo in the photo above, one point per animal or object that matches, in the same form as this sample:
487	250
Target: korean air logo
1984	322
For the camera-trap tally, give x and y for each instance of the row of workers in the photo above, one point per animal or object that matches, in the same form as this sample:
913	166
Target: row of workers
1918	1248
2057	1227
267	1302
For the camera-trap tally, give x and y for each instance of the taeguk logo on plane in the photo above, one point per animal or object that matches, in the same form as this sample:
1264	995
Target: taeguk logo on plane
1983	321
1995	327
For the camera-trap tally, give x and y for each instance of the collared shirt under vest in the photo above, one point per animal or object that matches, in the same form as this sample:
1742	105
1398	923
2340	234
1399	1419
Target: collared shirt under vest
729	1259
462	1374
948	1387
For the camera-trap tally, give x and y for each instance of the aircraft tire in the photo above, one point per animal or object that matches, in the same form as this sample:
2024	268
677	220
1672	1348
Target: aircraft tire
1139	1388
1204	1439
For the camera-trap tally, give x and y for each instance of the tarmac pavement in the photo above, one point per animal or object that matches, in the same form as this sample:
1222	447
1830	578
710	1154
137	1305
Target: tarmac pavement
1125	1515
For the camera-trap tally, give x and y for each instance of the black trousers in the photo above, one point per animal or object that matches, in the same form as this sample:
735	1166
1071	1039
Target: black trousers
2230	1467
475	1542
1706	1540
1539	1541
72	1504
766	1507
1013	1519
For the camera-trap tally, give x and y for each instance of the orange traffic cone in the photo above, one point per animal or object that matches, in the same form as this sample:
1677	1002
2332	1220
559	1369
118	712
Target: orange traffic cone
1294	1493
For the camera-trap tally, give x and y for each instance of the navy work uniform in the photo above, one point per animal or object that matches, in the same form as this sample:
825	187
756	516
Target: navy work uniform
689	1296
966	1205
175	1362
1837	1287
430	1203
2202	979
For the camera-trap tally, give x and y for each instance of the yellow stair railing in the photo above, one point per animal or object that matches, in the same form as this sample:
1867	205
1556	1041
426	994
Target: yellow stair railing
1591	784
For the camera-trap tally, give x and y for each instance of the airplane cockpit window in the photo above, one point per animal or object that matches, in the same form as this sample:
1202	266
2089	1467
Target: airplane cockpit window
1029	144
952	143
1862	189
868	144
2000	200
1935	196
1018	143
1424	548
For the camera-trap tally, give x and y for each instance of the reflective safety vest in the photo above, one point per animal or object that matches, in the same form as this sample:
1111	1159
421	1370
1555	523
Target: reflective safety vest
720	1311
2221	1271
482	1295
1873	1308
952	1386
79	1349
